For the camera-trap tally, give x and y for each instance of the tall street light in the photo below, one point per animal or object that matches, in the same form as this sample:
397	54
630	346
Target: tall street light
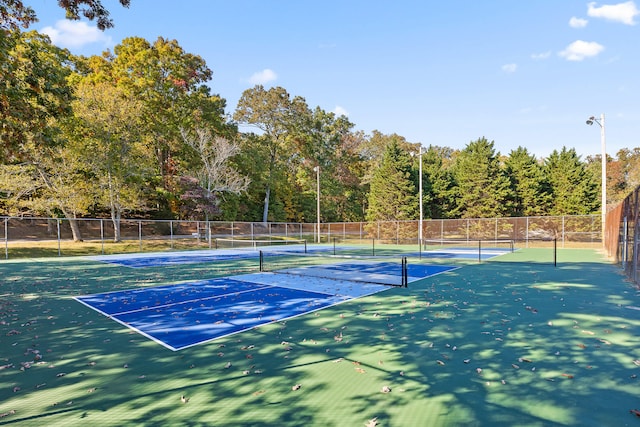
420	153
591	120
317	171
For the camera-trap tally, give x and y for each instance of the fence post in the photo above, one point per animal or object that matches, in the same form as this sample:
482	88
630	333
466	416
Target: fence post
171	233
102	234
397	232
625	231
6	238
58	227
467	229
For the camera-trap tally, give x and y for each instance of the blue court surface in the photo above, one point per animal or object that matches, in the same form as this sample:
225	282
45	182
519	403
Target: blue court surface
463	253
157	259
186	314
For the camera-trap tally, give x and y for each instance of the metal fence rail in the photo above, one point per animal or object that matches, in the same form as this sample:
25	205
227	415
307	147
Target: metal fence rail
54	235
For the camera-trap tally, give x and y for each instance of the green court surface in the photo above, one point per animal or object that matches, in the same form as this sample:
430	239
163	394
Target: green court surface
511	341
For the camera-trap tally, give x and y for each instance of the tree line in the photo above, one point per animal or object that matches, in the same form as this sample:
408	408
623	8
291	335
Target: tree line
137	131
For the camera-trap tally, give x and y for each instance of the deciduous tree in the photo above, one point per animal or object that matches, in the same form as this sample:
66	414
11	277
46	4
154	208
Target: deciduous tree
15	14
281	119
214	173
34	92
106	136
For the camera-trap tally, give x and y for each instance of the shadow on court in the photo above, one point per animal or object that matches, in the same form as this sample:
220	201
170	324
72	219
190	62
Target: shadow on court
511	341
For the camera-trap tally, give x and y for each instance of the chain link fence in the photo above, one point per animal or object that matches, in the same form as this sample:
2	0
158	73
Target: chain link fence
623	235
32	237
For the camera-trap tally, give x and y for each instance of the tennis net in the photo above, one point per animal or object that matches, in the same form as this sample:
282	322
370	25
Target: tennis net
391	271
470	244
225	243
467	248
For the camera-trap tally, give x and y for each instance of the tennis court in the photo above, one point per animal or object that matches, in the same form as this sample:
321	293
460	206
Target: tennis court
182	315
158	259
512	340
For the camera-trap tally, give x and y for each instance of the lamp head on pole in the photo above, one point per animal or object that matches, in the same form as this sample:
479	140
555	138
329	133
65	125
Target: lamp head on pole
591	120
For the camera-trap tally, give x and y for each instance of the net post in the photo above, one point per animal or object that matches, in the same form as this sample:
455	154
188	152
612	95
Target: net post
216	243
305	246
479	250
555	251
334	245
261	262
373	247
405	275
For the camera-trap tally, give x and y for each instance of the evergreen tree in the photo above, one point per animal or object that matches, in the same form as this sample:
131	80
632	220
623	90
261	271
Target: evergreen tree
483	189
530	188
437	184
574	191
393	193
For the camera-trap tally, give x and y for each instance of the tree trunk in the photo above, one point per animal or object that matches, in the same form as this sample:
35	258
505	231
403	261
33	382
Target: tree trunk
75	227
116	215
265	213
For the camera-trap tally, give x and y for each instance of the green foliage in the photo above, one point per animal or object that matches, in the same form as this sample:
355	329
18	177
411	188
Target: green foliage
104	135
482	188
393	193
33	91
14	14
118	146
572	187
529	185
90	9
438	183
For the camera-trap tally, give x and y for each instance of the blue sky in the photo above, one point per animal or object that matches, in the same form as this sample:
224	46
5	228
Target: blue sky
518	72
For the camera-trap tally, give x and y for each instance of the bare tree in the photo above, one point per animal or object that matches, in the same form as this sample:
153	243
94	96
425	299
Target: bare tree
216	174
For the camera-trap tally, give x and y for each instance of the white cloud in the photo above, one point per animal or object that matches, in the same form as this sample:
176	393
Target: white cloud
262	77
509	68
540	56
340	111
579	50
577	22
621	12
75	34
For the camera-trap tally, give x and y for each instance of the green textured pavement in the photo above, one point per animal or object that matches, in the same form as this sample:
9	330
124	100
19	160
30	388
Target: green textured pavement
513	341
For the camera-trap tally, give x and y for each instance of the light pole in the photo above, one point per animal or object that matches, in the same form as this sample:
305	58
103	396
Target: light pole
591	120
317	171
420	153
